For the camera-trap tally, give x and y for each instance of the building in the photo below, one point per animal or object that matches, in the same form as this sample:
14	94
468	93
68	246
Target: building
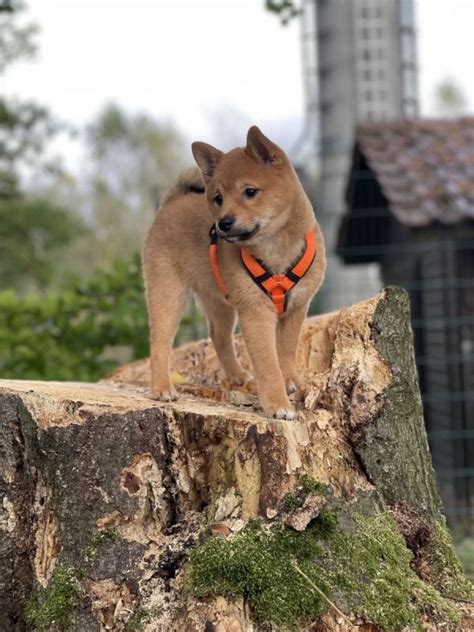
363	67
410	212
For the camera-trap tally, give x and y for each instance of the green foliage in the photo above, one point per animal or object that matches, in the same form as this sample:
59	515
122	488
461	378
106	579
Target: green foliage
25	127
77	334
65	336
32	231
88	328
287	10
54	606
364	563
130	159
17	41
33	234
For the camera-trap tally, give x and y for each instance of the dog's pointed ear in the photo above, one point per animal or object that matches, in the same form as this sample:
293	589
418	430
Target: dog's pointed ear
261	148
207	158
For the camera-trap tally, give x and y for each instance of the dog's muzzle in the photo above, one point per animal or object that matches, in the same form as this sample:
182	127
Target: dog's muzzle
235	236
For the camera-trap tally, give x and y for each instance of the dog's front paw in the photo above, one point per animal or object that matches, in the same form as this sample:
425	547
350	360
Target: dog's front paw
168	394
285	411
292	384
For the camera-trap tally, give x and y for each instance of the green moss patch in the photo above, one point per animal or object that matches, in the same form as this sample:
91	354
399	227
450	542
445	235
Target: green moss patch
258	562
442	566
362	564
371	568
308	486
55	605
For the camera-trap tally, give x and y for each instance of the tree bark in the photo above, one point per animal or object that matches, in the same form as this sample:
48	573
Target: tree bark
117	488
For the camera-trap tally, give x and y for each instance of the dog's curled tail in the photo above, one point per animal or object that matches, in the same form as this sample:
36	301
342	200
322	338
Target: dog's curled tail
190	181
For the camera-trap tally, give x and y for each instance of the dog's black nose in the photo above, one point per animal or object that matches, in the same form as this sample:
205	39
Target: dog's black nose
225	224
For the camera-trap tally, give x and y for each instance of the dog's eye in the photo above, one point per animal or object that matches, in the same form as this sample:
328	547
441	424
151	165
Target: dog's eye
218	199
250	192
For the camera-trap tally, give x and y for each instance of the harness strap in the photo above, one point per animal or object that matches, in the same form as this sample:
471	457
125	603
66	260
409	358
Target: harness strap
215	262
276	286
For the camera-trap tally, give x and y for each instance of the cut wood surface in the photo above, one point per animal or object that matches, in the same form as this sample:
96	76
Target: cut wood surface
107	492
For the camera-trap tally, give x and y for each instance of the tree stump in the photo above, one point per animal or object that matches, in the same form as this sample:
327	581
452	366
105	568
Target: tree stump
123	513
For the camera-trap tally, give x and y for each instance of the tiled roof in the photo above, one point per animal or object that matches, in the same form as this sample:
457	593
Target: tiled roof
424	167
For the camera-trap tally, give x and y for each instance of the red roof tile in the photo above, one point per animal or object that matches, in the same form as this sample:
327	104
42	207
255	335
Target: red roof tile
424	167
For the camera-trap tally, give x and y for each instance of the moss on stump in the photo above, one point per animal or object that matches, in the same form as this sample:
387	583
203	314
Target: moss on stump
358	561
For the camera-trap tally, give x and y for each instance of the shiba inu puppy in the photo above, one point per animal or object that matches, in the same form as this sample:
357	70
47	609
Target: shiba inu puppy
265	262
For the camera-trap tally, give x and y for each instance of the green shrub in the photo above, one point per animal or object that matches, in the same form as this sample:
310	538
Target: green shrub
80	333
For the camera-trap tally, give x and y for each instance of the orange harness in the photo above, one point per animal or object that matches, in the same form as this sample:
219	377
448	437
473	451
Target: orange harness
275	286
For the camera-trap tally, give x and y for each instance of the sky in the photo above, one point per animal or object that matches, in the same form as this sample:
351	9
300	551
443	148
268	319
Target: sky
213	68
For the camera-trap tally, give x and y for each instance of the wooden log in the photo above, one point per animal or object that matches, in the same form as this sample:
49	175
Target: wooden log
106	492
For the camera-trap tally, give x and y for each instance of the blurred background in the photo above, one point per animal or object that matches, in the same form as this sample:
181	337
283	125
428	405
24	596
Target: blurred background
100	101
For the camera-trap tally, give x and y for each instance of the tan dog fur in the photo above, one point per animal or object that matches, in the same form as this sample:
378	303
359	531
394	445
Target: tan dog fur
176	260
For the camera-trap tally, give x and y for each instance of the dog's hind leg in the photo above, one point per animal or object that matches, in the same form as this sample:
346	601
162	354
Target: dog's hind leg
221	319
166	298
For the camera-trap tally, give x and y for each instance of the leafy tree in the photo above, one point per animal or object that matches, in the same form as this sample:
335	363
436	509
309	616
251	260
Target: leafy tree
32	231
133	159
25	127
16	41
